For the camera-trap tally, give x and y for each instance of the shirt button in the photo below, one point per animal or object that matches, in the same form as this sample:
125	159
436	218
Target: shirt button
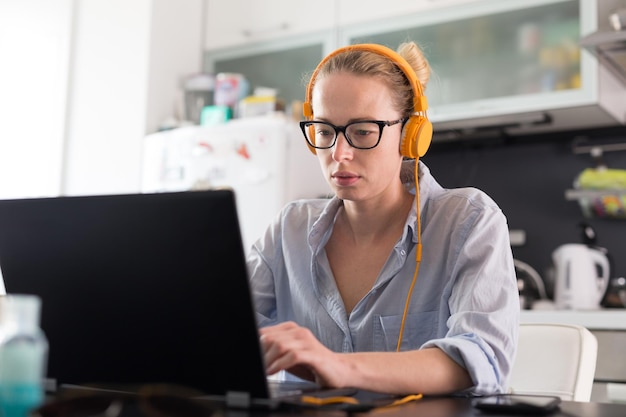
403	252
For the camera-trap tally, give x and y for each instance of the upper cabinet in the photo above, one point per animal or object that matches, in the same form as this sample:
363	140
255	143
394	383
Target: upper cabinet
240	22
514	65
367	11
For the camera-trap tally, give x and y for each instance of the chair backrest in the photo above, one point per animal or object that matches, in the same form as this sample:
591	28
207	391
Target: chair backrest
555	359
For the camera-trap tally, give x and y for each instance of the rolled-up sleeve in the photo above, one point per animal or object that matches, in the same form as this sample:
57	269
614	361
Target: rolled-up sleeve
484	305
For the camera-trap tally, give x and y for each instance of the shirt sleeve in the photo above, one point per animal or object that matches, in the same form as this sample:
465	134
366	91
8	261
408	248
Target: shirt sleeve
262	283
484	305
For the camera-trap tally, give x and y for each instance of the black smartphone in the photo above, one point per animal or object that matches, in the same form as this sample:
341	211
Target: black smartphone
518	404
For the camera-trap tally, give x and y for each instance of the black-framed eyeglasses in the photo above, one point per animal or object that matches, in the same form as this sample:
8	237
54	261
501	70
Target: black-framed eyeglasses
364	134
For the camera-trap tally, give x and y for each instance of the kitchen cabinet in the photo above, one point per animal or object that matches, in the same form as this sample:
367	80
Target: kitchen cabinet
513	67
360	11
515	64
227	26
609	327
608	44
241	22
281	65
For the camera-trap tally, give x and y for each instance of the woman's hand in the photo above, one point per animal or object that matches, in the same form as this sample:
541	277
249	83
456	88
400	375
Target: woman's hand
287	346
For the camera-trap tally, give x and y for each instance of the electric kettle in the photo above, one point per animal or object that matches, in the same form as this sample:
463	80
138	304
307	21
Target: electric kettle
581	276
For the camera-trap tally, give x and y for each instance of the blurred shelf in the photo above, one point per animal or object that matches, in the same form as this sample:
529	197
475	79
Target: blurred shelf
577	194
605	204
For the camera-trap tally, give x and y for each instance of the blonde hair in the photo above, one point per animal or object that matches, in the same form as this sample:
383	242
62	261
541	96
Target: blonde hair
372	64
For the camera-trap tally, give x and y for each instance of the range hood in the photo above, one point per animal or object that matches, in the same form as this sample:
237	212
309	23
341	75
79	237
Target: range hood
610	49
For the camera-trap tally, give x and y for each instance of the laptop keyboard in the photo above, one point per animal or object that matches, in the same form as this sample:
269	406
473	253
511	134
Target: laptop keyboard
280	389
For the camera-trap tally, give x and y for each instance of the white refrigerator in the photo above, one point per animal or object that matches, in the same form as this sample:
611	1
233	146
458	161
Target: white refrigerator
264	159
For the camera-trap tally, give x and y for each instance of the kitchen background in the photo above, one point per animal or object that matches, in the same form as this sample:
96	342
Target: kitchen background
512	94
87	86
528	177
522	149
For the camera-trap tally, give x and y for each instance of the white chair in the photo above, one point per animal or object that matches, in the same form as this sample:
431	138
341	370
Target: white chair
555	359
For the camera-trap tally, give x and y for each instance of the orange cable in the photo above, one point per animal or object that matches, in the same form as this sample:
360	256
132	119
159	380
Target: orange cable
418	257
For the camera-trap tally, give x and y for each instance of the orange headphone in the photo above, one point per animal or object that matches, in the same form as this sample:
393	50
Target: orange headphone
418	130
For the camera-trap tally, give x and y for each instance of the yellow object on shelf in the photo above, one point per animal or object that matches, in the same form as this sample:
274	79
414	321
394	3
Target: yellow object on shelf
601	192
602	178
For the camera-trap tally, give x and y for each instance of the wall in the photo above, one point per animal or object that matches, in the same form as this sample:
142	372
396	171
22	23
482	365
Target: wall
107	101
527	177
82	82
129	59
35	37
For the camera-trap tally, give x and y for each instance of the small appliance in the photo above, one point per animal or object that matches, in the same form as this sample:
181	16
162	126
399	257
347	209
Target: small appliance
581	276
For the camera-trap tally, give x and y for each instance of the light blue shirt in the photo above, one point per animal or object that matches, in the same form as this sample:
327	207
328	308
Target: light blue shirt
465	300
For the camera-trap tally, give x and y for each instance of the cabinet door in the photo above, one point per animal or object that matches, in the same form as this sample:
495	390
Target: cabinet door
240	22
279	65
492	58
359	11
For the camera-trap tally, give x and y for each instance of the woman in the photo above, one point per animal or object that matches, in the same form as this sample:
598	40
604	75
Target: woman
331	278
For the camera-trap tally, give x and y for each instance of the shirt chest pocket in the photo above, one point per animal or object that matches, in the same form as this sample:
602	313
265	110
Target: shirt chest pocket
418	329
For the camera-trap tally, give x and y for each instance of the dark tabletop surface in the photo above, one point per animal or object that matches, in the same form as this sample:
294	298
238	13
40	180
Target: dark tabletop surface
443	407
426	407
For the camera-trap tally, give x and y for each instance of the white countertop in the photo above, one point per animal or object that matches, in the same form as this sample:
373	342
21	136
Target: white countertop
606	319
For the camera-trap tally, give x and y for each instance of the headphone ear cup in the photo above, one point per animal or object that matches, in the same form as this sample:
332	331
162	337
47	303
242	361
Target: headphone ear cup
418	133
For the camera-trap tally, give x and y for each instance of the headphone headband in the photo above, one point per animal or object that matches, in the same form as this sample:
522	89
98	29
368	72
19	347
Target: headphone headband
420	104
418	131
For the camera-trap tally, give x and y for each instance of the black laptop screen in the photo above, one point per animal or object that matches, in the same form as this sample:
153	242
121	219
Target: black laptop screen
137	289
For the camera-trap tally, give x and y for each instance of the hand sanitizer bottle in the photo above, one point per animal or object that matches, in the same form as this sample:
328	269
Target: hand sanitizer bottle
23	355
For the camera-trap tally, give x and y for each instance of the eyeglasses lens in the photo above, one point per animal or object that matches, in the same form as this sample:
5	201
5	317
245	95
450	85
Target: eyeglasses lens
363	135
360	135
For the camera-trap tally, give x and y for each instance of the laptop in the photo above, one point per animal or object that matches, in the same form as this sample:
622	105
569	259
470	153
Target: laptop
140	289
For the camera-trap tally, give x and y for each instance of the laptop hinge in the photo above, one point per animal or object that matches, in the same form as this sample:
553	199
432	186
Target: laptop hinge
238	399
